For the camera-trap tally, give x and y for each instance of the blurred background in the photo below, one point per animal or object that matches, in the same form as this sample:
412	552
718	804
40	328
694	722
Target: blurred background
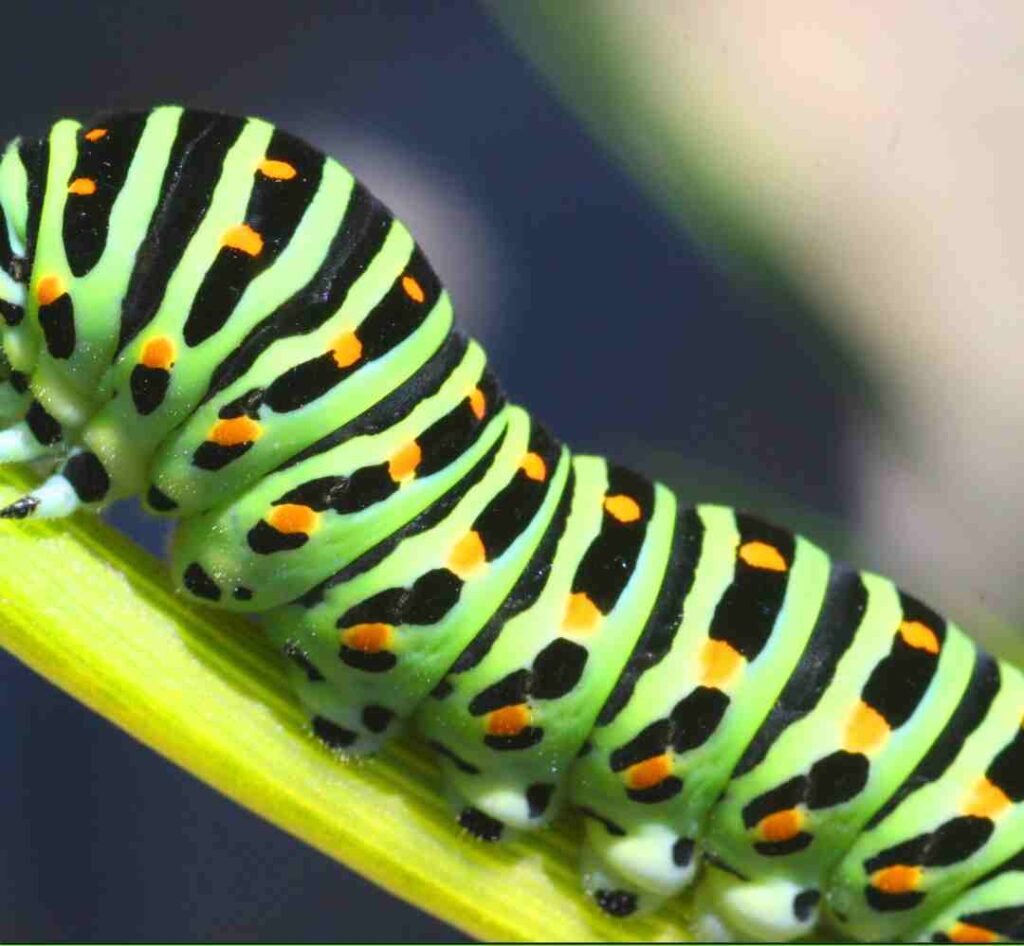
769	253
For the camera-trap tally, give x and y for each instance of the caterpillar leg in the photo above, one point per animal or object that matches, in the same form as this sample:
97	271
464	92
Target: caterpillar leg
636	870
81	481
328	715
489	804
38	435
54	499
18	444
475	820
612	892
776	909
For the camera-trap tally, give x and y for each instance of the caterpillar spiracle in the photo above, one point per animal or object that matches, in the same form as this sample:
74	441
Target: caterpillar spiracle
207	312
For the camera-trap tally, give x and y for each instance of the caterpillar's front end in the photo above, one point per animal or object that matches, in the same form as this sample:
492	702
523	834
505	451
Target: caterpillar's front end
30	428
59	274
16	443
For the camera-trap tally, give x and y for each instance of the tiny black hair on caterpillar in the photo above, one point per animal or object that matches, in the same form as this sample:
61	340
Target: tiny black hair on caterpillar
207	312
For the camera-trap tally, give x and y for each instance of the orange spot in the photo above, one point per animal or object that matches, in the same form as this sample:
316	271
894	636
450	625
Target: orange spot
781	825
509	720
158	353
650	772
347	350
413	289
534	467
919	635
243	238
95	134
986	800
967	933
49	289
623	508
900	878
402	465
468	555
477	403
762	555
82	186
235	431
276	170
720	661
369	638
581	614
293	517
866	731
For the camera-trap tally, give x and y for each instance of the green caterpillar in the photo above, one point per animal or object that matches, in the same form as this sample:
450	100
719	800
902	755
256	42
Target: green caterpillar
205	311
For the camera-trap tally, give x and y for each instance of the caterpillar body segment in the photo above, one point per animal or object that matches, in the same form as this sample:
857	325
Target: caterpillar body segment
208	313
953	831
989	912
348	497
537	690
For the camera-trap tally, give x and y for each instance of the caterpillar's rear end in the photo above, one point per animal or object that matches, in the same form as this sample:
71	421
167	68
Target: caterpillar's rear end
207	312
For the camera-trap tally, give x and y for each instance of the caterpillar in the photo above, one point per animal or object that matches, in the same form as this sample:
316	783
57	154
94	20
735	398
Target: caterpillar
208	313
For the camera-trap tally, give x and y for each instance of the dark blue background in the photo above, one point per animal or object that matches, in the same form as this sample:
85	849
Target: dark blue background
596	311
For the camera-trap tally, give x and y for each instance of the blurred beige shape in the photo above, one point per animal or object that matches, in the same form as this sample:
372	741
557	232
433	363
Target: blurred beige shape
879	148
